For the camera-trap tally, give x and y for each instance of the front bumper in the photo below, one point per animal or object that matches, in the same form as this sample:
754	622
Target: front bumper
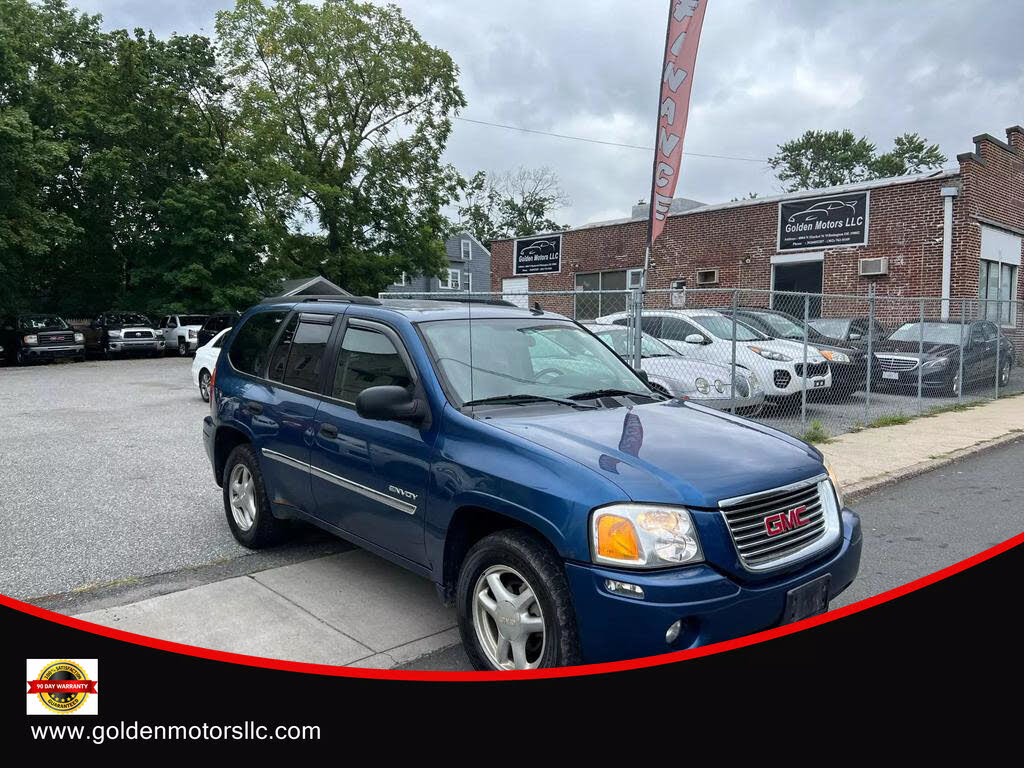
130	346
209	438
53	353
713	607
741	404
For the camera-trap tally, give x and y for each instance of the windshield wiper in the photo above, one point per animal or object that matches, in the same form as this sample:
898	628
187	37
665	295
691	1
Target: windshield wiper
525	398
608	393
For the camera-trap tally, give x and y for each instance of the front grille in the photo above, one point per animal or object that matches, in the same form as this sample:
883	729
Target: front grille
781	379
751	521
814	369
57	338
887	363
138	334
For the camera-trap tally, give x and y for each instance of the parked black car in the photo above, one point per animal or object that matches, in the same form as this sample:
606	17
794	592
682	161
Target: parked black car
122	333
899	360
849	331
215	324
32	338
848	364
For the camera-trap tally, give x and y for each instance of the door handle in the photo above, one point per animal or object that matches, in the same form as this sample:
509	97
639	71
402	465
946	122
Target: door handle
254	408
329	431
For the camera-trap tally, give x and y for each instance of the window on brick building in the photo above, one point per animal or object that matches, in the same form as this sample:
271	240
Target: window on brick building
997	290
600	293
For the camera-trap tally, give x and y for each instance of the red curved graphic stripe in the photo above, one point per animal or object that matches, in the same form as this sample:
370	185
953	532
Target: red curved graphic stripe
587	669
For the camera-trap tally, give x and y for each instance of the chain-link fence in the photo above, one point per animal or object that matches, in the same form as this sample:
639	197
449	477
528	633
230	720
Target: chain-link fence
812	365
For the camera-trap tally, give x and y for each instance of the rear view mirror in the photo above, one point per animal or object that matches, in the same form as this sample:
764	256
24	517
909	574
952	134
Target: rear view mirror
390	403
694	338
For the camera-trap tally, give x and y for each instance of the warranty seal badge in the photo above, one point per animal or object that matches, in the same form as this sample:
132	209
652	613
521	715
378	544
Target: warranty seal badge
63	686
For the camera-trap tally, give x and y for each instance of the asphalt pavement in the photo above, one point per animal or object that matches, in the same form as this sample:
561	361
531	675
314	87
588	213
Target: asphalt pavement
104	479
911	529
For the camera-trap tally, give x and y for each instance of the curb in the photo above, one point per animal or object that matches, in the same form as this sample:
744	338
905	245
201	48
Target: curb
855	491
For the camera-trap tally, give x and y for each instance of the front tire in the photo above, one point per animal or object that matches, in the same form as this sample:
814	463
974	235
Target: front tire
514	606
245	501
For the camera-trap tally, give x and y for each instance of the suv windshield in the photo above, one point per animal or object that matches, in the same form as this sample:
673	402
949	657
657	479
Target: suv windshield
618	339
38	322
781	327
721	326
934	333
524	358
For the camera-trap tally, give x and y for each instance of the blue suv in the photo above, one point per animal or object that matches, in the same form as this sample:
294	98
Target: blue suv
569	512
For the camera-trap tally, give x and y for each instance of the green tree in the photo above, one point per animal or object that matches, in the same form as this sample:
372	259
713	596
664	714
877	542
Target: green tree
345	112
511	204
831	158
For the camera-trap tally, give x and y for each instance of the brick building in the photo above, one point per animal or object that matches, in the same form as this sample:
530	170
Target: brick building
954	233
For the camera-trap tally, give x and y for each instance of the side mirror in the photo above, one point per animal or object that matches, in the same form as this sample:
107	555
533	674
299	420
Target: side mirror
642	375
694	338
389	403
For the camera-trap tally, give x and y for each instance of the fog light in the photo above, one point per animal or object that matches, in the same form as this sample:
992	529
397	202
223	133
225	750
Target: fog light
623	588
673	632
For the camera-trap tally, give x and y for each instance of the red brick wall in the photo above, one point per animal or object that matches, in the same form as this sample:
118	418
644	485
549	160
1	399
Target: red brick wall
905	225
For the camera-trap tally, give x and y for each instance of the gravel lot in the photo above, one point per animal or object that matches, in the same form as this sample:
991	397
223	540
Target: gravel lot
104	476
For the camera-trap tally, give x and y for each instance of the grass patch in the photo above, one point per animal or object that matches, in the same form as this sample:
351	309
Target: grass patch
816	434
890	420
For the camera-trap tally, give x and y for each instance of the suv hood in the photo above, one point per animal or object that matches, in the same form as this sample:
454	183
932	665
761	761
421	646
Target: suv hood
789	348
671	452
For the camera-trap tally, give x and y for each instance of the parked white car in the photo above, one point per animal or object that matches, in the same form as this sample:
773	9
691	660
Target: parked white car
704	334
205	362
181	332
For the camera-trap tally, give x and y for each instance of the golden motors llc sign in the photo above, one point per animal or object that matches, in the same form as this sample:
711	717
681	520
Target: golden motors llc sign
823	222
537	255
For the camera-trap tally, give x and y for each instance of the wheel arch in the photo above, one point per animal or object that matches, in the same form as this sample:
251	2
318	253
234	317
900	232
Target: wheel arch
227	439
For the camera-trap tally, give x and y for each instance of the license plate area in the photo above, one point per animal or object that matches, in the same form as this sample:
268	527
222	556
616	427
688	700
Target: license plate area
890	375
807	600
819	382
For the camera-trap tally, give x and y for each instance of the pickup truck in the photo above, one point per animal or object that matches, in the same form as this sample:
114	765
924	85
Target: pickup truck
122	333
570	513
181	333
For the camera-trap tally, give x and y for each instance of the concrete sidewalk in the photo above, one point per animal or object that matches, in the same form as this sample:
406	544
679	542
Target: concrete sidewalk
878	456
356	609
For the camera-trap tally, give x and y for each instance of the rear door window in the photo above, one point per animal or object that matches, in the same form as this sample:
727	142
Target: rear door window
251	347
299	354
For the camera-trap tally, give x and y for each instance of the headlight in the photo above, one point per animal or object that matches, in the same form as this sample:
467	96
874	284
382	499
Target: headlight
939	362
31	340
644	536
702	386
770	354
191	333
79	338
114	334
835	483
835	357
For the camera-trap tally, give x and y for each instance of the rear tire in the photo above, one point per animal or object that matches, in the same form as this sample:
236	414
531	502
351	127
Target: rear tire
496	632
204	385
182	348
245	501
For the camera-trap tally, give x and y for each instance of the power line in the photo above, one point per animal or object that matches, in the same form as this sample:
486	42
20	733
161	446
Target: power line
601	141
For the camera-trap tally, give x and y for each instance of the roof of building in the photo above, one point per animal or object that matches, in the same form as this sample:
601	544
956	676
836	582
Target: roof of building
303	284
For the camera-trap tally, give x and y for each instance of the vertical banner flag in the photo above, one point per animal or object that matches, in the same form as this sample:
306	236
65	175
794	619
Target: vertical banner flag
684	23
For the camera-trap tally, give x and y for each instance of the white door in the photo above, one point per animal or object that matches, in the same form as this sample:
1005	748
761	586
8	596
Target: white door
516	285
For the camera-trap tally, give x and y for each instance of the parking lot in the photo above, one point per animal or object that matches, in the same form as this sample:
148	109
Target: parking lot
105	478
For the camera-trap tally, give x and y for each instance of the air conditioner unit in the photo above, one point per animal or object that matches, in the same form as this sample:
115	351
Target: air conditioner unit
707	277
872	267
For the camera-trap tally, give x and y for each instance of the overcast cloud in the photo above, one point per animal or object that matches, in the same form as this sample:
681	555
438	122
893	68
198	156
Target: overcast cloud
766	72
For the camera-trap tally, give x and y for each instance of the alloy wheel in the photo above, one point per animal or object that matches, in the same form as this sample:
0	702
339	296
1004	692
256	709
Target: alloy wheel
242	490
182	347
204	385
1004	374
508	619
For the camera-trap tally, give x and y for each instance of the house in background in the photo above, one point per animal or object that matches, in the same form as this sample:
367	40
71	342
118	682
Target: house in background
469	269
317	285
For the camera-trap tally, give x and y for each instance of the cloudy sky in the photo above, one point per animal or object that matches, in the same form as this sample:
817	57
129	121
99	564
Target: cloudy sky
766	72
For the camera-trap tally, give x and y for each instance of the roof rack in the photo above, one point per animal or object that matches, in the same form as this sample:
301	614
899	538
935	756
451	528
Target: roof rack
459	299
333	299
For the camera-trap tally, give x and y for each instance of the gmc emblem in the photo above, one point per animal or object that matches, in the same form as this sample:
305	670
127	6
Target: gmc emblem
781	522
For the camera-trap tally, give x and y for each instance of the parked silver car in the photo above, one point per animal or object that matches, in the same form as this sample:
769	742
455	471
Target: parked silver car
683	377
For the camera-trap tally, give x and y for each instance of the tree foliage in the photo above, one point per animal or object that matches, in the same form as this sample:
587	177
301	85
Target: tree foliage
346	111
510	204
831	158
